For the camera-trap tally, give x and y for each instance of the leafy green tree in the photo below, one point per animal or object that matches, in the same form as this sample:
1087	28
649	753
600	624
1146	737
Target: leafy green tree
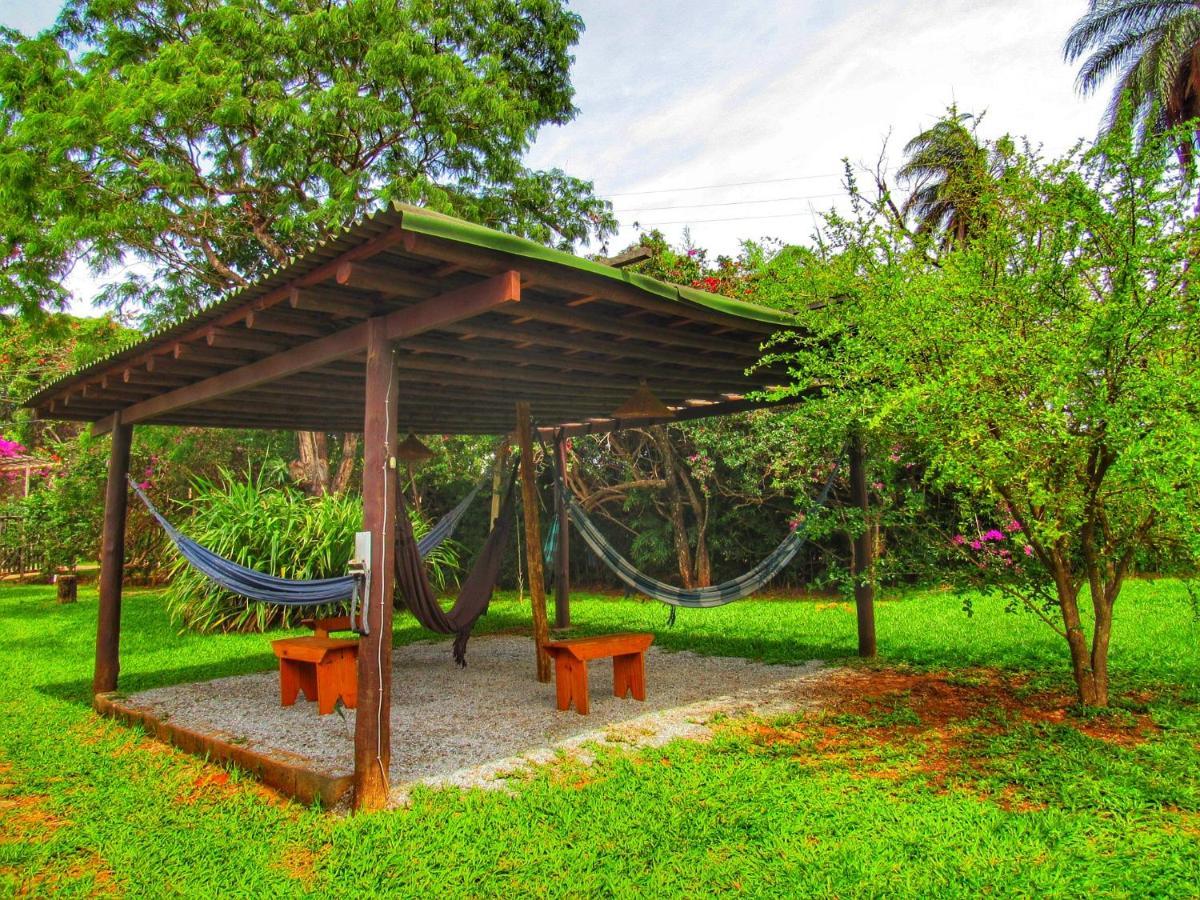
200	144
208	141
1152	47
1046	372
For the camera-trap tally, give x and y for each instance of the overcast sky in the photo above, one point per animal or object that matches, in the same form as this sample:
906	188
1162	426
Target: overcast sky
675	97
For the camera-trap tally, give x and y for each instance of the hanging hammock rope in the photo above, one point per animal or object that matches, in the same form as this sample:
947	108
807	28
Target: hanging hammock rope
696	598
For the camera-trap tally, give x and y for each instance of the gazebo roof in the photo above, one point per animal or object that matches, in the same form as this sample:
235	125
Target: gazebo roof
481	320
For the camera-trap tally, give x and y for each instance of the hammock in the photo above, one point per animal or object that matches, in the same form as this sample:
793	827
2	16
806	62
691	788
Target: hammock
255	585
695	598
476	590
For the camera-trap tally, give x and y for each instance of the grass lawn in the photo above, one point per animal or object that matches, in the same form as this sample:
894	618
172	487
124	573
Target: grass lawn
952	771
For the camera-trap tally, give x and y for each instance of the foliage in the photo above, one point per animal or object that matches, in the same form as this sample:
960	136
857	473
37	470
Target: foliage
1046	371
1151	47
201	143
1033	809
263	523
35	352
949	170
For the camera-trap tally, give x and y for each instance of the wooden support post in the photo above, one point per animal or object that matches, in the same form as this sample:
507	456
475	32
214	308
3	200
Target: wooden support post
562	578
112	562
864	591
372	726
498	479
533	541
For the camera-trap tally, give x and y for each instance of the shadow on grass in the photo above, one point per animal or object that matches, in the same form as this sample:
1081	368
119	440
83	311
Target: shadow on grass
79	691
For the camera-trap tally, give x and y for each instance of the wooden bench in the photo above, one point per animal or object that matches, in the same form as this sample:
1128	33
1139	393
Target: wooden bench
323	667
628	652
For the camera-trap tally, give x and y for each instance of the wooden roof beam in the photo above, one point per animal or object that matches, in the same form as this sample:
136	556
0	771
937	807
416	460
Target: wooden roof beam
453	306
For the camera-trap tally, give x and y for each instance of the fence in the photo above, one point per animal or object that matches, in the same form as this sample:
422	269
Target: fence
16	557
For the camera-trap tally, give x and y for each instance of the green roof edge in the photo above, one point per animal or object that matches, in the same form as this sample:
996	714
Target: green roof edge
433	224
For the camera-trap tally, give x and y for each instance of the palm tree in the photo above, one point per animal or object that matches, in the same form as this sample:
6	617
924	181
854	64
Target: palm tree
948	168
1153	49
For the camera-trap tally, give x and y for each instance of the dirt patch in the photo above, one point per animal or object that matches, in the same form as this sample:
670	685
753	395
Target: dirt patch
26	819
933	719
299	862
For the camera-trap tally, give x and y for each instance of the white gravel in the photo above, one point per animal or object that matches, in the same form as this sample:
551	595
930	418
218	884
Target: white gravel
473	726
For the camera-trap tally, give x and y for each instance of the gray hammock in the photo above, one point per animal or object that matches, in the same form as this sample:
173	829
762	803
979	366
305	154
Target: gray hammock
255	585
695	598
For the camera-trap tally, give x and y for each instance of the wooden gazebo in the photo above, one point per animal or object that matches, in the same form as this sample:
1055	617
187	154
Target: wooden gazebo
413	321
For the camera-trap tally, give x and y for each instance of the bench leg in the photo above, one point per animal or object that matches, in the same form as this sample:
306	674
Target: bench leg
571	683
327	685
306	673
289	682
348	680
629	675
562	681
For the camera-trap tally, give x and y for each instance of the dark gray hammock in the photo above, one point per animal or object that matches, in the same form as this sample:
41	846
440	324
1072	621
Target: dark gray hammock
697	598
258	586
476	590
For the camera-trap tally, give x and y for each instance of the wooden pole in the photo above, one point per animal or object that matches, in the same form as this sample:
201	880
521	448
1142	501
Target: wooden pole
562	579
497	479
372	724
112	562
864	591
533	542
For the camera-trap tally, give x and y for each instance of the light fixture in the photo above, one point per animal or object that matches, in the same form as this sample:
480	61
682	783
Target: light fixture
411	450
642	404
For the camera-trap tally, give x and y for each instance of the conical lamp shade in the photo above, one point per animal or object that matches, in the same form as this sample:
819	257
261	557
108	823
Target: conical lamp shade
411	450
642	404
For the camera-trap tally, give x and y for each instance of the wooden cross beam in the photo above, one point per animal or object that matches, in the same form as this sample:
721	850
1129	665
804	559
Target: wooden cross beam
428	315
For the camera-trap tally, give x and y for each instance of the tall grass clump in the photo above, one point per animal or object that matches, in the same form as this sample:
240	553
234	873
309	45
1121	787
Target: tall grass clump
263	522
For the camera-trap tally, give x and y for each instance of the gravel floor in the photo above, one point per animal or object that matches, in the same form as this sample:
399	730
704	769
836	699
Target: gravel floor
472	726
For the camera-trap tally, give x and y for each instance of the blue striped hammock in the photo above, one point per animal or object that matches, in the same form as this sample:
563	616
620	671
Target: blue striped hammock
258	586
696	598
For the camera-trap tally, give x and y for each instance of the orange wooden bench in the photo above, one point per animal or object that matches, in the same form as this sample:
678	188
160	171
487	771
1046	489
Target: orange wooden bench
628	652
323	667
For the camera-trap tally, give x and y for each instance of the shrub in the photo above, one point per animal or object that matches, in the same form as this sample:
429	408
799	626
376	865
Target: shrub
264	523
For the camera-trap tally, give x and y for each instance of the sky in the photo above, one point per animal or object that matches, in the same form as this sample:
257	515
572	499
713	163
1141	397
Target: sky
731	120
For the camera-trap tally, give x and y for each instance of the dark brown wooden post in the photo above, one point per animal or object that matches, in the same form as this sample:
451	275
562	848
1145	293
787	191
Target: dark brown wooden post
372	724
112	562
864	590
562	577
533	542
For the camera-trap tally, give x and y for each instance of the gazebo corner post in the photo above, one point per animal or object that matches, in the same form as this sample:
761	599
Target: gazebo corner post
112	560
533	541
562	577
862	565
372	724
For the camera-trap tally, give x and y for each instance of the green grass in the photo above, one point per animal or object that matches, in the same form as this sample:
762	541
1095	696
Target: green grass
87	805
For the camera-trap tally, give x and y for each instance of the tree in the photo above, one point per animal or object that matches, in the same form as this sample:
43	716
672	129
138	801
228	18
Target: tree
202	143
1153	49
1046	372
949	169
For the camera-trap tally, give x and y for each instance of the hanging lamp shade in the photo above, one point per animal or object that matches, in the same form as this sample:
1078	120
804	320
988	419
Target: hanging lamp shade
411	450
642	404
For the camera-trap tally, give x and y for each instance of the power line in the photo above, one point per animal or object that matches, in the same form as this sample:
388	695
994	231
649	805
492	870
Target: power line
728	203
731	219
705	187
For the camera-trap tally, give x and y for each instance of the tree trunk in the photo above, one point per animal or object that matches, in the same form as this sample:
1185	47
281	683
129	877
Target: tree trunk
1091	682
311	470
345	469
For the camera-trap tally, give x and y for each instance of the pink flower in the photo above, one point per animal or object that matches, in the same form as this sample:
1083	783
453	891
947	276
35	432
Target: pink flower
1028	550
144	485
976	544
958	540
1013	527
877	485
994	535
